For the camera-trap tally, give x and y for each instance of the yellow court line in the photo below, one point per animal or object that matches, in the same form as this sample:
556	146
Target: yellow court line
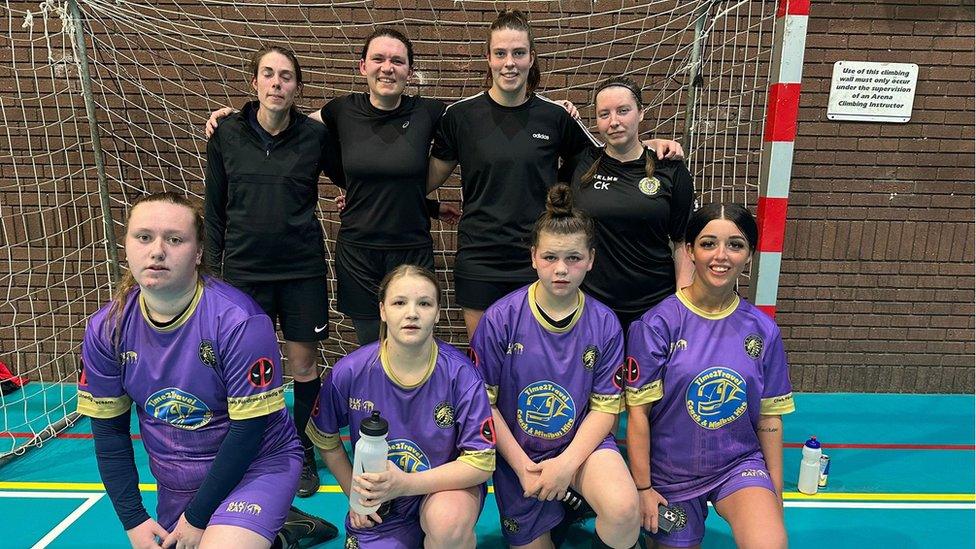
871	496
335	489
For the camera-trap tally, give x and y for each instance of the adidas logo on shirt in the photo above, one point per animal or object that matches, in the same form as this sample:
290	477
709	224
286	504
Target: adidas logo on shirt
541	136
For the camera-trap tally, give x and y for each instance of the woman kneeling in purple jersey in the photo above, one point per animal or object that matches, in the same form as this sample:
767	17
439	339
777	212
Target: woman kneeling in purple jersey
200	361
441	435
552	359
709	384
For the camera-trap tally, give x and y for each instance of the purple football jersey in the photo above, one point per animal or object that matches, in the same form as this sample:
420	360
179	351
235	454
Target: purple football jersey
545	379
709	376
218	361
443	418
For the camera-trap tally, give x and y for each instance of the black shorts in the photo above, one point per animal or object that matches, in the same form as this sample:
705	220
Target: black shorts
300	306
359	271
479	294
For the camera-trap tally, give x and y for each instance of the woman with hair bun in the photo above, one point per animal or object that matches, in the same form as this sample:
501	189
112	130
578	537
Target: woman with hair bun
552	360
708	387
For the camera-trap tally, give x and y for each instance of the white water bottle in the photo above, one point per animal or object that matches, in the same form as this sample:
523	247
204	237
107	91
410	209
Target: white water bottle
810	467
369	455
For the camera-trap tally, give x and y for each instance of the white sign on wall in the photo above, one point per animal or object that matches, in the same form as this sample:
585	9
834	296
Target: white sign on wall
877	92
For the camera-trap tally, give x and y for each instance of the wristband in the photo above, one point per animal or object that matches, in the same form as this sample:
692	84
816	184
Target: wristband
644	489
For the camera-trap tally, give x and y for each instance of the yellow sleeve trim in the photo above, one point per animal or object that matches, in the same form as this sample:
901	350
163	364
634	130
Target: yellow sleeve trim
775	406
258	405
492	393
605	403
325	441
645	394
102	407
479	459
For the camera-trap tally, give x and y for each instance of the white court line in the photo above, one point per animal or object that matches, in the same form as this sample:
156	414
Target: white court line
90	499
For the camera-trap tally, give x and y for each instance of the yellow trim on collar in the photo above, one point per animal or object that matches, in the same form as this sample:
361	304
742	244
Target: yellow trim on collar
705	314
392	375
542	320
180	320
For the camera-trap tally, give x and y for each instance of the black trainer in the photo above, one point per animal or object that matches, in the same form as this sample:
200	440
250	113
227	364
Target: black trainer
304	530
308	484
576	510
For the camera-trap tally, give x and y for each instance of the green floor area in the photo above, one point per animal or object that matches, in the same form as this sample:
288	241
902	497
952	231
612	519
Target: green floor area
903	474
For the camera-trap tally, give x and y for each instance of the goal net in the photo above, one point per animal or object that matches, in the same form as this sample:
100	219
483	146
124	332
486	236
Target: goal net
157	69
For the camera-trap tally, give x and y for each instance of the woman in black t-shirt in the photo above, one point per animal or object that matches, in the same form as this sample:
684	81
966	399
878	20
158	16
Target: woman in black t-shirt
509	143
641	206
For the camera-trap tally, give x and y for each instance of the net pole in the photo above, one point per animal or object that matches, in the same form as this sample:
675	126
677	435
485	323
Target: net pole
782	109
694	75
103	194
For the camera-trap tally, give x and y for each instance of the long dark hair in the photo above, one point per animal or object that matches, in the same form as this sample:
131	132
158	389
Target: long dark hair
562	218
128	282
516	20
622	82
735	213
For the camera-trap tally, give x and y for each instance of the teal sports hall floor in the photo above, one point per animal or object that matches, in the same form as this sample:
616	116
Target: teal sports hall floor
902	476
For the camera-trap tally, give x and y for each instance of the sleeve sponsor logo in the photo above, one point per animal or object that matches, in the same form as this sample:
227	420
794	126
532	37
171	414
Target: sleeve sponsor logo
633	370
473	355
488	430
261	373
620	377
82	375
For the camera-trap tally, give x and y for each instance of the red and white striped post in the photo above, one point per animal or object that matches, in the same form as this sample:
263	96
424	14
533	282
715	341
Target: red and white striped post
782	108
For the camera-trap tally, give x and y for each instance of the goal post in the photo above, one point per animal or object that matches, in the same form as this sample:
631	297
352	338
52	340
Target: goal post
77	150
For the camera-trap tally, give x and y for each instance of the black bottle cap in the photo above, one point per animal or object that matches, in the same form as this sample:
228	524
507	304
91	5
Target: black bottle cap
374	426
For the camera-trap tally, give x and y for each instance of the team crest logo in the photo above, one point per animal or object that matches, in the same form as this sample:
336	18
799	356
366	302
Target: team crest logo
444	415
207	354
716	397
677	515
546	410
510	525
261	373
753	345
649	186
351	542
590	357
178	408
488	430
406	455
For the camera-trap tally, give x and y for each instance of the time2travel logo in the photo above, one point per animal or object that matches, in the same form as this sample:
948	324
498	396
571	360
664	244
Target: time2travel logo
716	397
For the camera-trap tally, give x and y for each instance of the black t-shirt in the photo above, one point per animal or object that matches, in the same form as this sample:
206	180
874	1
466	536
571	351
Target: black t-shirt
509	158
636	220
384	157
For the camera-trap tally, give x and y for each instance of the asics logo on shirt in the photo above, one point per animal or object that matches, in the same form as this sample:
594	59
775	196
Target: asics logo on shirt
405	124
541	136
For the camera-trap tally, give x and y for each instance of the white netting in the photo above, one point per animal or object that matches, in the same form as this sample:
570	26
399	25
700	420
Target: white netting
158	69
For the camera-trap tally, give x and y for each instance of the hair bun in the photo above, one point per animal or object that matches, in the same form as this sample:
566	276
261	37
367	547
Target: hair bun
559	200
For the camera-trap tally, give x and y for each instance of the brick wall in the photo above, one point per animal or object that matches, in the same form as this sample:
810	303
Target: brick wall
876	292
877	283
